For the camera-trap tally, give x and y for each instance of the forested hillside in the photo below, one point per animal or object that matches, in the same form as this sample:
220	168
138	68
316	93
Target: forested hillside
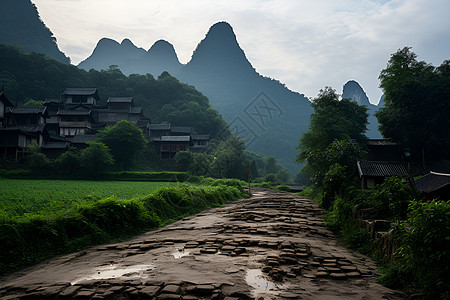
34	76
21	25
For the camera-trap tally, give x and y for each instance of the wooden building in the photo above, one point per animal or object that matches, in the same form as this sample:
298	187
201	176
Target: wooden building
75	121
169	145
21	127
4	105
199	142
375	172
434	186
88	96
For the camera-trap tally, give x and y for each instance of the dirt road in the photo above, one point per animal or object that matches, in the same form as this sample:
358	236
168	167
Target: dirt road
271	246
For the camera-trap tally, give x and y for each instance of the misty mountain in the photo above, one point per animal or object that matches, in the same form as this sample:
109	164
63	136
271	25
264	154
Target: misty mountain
131	59
352	90
269	117
20	25
263	111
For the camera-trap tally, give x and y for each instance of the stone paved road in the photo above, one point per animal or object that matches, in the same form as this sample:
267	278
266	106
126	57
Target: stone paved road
271	246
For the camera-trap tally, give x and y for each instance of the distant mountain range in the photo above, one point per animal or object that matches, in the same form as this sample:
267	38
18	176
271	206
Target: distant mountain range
131	59
267	115
21	25
263	111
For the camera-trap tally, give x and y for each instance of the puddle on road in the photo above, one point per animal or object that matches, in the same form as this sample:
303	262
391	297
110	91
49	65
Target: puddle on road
259	283
179	253
115	271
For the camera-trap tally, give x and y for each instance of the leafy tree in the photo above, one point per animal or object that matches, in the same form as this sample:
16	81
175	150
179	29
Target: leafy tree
333	143
271	165
69	162
125	140
184	160
96	158
333	120
230	158
283	176
417	104
271	178
36	160
195	163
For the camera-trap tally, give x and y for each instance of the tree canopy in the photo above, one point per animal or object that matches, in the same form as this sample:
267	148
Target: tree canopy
96	158
333	143
417	104
125	140
333	119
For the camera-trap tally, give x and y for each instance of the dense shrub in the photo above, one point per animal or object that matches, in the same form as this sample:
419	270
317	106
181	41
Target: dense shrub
225	181
96	159
68	162
38	162
425	246
282	187
390	199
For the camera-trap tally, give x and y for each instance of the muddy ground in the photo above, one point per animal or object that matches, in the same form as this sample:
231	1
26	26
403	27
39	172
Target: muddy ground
273	245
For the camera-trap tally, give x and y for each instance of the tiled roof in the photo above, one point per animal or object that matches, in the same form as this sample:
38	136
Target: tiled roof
72	112
175	138
432	182
159	126
395	168
80	91
382	169
30	128
28	110
119	100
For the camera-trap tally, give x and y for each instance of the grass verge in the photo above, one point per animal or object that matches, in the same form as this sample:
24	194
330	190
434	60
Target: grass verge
32	238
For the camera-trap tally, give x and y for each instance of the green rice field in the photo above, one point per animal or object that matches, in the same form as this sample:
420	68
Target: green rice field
19	198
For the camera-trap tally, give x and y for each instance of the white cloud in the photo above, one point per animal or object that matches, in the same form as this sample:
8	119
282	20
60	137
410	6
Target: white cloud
306	44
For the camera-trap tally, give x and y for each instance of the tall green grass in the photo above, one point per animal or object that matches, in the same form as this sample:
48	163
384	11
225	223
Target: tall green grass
33	237
22	198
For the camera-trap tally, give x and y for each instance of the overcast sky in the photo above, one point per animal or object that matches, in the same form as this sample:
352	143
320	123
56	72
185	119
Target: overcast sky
306	44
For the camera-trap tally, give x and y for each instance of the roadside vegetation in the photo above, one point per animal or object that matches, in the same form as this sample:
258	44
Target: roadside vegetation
414	90
50	221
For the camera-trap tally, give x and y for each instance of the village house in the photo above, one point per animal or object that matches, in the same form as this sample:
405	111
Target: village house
434	186
388	159
21	127
168	140
199	142
75	118
4	104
